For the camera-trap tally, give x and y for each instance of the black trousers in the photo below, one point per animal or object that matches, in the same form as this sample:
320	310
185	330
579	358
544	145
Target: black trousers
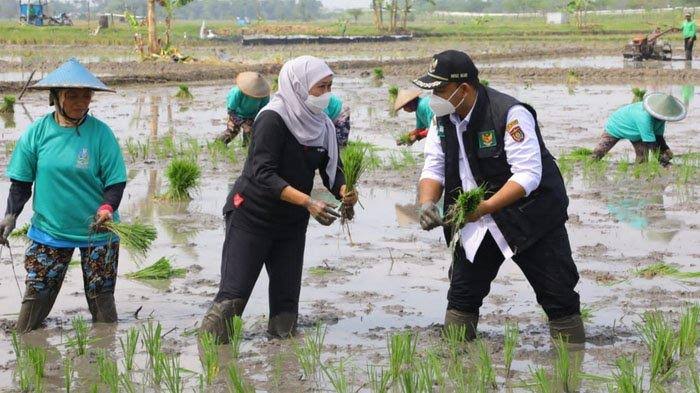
547	265
243	257
689	42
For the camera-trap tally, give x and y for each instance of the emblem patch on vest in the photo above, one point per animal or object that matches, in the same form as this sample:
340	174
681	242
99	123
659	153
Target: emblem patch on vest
515	131
487	139
441	131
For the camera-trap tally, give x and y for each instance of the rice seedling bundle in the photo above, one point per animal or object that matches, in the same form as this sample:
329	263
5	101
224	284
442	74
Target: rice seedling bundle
662	343
393	93
660	269
183	175
210	356
184	93
20	233
688	331
80	335
135	237
162	269
464	205
235	335
378	73
404	139
626	377
8	104
354	158
484	82
638	94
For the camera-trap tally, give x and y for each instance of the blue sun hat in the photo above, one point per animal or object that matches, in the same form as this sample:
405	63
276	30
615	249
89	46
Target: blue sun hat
664	107
71	75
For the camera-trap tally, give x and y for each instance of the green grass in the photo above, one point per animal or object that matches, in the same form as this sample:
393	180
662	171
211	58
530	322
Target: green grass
662	269
135	237
183	175
160	270
8	104
183	93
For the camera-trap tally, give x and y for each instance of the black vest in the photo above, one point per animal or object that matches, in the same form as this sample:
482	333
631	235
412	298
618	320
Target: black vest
528	219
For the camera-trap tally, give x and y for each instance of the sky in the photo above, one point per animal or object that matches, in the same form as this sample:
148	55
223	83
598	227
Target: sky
346	3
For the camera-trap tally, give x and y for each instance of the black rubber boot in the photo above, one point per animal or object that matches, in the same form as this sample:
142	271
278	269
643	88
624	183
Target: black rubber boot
283	325
102	308
570	329
35	308
458	319
216	320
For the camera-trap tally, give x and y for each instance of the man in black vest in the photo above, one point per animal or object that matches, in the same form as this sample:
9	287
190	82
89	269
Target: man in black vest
483	137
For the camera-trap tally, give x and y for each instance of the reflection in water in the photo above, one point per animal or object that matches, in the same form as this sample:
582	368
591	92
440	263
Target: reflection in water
9	120
687	92
171	129
155	100
136	119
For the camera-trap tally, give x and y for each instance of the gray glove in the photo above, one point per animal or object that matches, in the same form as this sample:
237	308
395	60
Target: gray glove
7	225
430	216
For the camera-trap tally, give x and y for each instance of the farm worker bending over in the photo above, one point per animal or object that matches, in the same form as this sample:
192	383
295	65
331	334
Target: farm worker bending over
643	124
340	116
76	166
267	211
410	101
483	137
244	102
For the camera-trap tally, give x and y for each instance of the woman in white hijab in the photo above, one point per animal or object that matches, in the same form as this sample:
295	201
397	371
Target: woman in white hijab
268	208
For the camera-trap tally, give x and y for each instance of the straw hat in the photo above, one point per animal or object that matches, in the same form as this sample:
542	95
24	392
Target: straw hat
404	97
664	107
253	84
71	75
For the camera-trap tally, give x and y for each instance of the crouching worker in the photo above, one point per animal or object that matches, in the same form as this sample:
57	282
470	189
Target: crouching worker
340	116
643	124
267	211
244	101
483	137
76	167
410	101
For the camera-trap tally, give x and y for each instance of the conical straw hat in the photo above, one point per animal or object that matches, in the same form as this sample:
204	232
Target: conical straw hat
404	97
71	75
664	107
253	84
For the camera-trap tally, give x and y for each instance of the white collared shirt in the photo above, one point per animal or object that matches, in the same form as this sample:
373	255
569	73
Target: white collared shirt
523	157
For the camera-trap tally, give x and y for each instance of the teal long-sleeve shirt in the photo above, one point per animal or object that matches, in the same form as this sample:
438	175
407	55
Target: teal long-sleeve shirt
244	106
634	123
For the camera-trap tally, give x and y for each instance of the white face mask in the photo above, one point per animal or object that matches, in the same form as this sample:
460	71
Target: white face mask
318	104
443	107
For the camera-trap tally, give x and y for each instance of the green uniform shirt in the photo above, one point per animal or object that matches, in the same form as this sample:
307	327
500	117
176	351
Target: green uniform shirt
335	106
244	106
424	115
635	124
70	173
688	28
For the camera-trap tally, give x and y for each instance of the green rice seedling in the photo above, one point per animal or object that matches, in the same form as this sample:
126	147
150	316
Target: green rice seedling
404	139
566	167
80	335
8	104
171	373
132	149
566	370
95	388
210	356
162	269
688	331
108	371
144	149
309	353
354	164
20	233
152	341
275	83
454	335
337	377
183	93
623	167
135	237
190	148
378	73
465	204
586	313
511	336
660	269
595	169
541	382
686	171
402	352
129	347
9	147
638	94
235	335
16	346
378	379
183	175
68	370
580	153
217	150
37	361
627	378
661	341
24	374
237	383
393	93
484	82
572	77
409	380
126	383
484	365
649	169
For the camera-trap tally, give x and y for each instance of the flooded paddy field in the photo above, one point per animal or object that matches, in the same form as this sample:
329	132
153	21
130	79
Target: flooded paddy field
392	278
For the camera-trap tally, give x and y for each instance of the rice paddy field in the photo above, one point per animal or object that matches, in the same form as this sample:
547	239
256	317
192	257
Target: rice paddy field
371	308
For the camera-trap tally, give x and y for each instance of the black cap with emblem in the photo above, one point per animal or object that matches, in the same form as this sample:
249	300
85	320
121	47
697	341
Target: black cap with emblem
448	66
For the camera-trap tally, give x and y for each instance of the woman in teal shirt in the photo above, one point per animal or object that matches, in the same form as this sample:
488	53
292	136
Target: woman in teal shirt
410	101
340	116
244	101
643	124
76	167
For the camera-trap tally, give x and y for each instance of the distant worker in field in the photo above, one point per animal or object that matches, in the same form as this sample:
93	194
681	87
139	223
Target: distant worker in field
484	138
689	29
643	124
410	101
244	101
340	116
74	165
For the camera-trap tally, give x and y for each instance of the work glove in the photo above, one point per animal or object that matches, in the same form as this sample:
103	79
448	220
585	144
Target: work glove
7	225
323	212
430	216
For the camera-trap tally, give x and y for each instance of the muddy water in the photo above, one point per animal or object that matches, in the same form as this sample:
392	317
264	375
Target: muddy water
394	275
597	62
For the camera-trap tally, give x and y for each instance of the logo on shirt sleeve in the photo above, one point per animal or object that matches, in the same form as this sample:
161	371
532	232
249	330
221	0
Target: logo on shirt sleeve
487	139
515	131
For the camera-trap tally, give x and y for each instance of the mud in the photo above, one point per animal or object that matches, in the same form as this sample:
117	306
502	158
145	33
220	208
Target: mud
394	276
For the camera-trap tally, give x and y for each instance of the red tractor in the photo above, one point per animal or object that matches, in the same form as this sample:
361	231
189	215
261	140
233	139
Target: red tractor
649	47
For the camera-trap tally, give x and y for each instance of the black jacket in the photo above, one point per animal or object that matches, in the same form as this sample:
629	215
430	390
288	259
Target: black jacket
276	160
528	219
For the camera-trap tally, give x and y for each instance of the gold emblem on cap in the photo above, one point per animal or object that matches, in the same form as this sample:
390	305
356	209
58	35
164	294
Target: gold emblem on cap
433	65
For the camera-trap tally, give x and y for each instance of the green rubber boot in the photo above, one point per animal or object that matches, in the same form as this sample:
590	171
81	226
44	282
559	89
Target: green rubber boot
216	320
102	308
35	308
459	319
570	329
283	325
